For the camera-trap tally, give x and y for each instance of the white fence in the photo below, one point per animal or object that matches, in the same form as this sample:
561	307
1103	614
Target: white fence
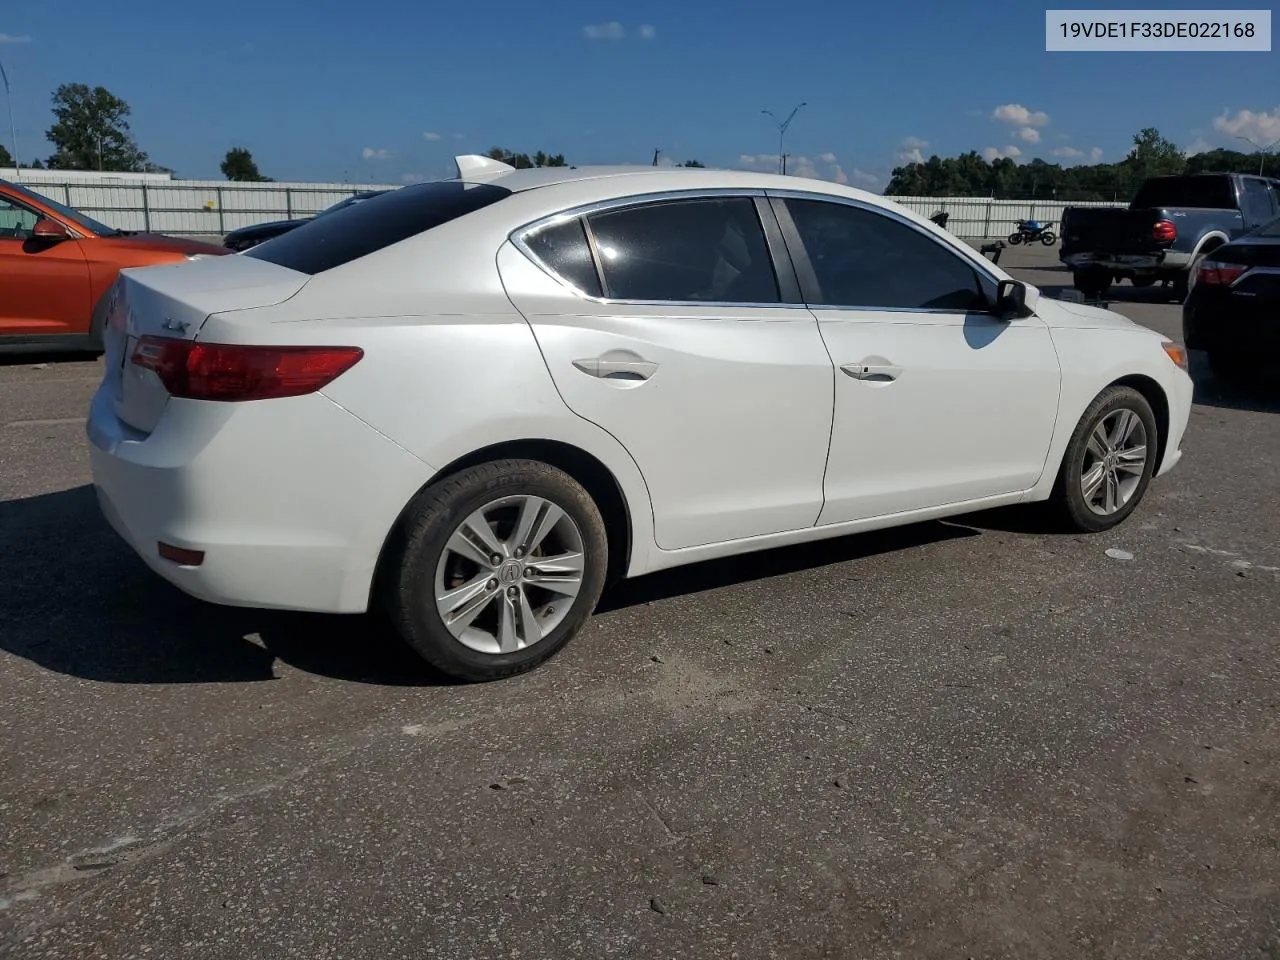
976	218
196	207
214	207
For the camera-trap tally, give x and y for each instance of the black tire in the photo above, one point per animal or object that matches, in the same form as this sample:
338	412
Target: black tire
1048	238
1143	282
1068	499
1091	281
1015	239
419	544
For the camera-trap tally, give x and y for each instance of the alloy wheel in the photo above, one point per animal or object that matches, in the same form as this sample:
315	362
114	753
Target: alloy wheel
1114	462
509	574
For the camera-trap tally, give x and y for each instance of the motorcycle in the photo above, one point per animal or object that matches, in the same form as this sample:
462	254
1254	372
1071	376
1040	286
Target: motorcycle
1030	231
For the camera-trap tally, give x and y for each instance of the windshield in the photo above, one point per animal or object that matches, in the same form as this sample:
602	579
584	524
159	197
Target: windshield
67	213
1204	193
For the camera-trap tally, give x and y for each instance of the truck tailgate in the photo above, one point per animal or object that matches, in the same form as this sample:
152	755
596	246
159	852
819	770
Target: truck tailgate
1105	230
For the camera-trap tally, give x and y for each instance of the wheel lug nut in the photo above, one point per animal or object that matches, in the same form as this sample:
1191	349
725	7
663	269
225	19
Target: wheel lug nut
520	552
512	592
528	572
493	584
495	559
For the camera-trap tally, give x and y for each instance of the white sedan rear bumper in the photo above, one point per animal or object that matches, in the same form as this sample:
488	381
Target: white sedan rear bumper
290	500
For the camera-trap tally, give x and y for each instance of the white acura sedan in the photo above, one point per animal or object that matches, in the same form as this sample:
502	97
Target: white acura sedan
473	402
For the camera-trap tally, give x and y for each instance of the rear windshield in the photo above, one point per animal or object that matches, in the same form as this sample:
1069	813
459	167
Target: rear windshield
1206	193
362	228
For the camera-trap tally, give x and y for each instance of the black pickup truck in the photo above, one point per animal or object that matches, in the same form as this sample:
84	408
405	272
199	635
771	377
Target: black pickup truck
1171	222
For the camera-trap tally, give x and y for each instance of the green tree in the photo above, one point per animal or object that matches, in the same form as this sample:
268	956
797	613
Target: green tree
6	158
1154	156
691	163
522	161
239	165
91	131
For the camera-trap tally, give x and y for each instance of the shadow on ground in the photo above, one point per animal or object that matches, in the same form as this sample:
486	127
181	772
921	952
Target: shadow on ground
79	602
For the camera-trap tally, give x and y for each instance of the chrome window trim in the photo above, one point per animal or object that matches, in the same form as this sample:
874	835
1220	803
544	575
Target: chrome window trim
520	235
974	260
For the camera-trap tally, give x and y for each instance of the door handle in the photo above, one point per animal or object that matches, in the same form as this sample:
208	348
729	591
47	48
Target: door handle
617	369
877	371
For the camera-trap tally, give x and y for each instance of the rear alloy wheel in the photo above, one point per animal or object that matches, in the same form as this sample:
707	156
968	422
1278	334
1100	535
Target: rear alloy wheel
1109	461
498	567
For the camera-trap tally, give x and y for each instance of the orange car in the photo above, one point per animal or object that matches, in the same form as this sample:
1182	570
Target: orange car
56	263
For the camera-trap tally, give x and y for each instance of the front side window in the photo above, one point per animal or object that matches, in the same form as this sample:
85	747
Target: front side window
709	250
861	258
16	223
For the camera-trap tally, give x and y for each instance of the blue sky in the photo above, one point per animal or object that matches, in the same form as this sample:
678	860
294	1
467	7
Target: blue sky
388	90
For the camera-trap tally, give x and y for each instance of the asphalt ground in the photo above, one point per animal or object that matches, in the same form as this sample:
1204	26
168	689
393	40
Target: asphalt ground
958	739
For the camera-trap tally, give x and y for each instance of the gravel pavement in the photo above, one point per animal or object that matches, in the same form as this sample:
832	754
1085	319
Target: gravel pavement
958	739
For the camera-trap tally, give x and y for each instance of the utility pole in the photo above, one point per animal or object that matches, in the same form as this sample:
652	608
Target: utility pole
782	132
17	165
1262	151
655	157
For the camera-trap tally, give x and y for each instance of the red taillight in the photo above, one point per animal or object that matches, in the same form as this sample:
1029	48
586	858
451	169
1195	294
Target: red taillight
231	372
1218	273
180	555
1164	231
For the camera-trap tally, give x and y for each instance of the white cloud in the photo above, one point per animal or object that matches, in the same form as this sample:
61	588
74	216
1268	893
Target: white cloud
1012	152
375	153
432	136
1067	153
1095	155
1263	127
1198	145
10	38
863	179
1019	116
1029	134
604	31
798	165
911	150
647	31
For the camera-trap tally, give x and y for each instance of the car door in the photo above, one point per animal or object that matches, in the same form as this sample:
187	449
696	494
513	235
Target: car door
45	283
937	401
664	321
1255	203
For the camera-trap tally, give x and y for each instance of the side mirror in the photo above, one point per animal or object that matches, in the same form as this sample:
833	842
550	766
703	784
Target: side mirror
1011	300
51	230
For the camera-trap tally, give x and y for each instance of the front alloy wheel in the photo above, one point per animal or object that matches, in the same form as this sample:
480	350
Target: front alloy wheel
1109	461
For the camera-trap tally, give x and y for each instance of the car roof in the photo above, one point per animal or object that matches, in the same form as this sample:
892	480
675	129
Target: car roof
488	171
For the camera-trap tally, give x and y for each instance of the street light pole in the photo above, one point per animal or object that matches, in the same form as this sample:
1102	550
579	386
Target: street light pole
8	93
1262	151
782	132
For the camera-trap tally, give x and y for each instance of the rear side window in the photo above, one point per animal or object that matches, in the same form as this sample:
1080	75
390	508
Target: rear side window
1211	192
563	248
363	228
689	251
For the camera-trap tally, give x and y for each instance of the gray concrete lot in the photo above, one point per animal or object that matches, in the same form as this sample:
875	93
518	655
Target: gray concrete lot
963	739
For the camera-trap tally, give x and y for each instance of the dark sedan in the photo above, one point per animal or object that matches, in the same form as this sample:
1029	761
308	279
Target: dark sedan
247	237
1233	309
